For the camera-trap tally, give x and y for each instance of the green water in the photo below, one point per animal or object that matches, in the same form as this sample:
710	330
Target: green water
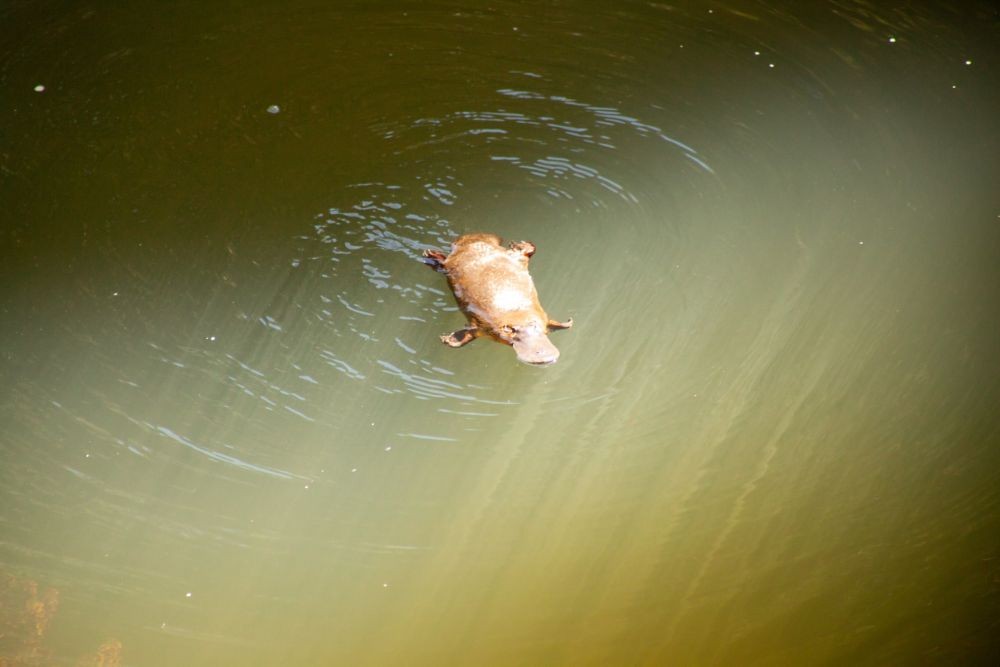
229	433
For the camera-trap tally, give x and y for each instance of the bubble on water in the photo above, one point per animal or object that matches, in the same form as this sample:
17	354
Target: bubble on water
273	109
39	88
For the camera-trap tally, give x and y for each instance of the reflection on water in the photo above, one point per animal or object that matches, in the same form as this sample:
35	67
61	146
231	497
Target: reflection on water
25	616
231	435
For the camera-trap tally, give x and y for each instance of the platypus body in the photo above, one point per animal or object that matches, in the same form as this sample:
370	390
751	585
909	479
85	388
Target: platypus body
493	288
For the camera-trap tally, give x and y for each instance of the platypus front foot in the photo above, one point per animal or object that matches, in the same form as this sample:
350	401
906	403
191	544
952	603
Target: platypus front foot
560	325
460	337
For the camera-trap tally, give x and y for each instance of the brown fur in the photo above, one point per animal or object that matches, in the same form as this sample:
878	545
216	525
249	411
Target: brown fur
493	288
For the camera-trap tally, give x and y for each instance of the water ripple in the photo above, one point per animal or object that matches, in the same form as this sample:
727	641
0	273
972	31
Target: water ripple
224	458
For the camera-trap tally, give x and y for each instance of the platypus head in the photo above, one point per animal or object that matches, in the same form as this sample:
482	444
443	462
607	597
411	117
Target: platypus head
530	342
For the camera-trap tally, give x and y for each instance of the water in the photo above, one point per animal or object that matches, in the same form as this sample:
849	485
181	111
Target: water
230	434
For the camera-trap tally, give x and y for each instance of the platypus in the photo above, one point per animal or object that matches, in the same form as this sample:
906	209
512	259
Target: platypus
493	288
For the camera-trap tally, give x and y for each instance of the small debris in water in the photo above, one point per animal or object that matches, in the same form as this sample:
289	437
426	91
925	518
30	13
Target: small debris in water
273	109
188	594
354	469
892	40
968	62
39	88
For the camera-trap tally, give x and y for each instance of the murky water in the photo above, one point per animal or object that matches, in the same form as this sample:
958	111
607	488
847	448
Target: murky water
230	434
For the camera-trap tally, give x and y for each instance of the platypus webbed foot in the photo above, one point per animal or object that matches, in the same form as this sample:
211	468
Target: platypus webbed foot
526	248
560	325
460	337
435	259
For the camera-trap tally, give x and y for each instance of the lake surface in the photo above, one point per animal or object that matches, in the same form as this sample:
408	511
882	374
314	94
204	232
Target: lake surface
229	433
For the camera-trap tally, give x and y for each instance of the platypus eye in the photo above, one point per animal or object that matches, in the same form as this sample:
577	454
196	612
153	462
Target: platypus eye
508	329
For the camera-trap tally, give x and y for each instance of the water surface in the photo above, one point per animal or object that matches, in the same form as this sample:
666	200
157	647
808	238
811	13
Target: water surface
229	433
